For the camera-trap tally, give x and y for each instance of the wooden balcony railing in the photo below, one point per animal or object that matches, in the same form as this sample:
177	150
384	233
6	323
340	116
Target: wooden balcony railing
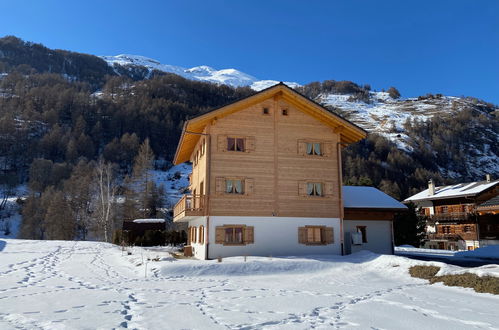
451	216
189	206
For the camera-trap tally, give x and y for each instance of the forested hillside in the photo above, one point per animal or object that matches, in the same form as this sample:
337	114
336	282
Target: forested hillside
73	128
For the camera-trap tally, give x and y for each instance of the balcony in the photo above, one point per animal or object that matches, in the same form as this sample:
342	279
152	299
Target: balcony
452	216
189	207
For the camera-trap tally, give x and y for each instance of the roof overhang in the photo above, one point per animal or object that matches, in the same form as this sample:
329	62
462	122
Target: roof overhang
193	128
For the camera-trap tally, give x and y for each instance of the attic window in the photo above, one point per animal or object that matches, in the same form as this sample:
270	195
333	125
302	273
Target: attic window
265	111
284	112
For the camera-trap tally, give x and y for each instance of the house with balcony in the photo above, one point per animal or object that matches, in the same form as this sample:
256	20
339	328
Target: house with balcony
266	180
454	219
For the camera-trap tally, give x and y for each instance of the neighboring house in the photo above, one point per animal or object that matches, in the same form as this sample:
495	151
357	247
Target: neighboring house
368	219
266	178
454	222
488	216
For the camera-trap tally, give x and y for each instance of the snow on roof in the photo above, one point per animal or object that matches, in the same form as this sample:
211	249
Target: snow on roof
457	190
149	220
369	197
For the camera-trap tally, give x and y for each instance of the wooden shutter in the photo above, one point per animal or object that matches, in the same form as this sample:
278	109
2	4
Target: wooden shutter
328	234
249	236
328	188
219	235
248	186
189	234
327	149
220	185
250	144
302	235
302	188
222	143
302	147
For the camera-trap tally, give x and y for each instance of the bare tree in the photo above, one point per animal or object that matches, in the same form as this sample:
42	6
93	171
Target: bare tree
106	191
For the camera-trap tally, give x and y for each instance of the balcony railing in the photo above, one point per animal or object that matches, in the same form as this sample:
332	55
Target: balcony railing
451	216
189	206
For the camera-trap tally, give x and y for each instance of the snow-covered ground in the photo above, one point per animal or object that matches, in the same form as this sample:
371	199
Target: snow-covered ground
89	285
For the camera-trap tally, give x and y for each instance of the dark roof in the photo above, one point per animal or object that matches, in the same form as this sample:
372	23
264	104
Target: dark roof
491	202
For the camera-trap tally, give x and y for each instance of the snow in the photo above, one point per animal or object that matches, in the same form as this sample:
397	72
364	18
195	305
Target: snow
369	197
149	221
82	285
461	189
231	77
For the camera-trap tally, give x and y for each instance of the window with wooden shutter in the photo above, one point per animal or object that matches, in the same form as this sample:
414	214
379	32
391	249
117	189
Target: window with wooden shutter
249	186
219	235
302	188
329	188
302	235
328	235
222	143
201	235
315	235
327	149
249	235
250	143
220	185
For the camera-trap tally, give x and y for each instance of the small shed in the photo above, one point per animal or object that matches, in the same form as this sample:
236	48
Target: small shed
368	219
139	226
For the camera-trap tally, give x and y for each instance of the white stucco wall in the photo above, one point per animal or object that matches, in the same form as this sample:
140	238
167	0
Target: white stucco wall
273	236
199	250
379	235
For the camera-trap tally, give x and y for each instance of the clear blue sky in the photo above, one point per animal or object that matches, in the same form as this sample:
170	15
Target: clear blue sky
449	47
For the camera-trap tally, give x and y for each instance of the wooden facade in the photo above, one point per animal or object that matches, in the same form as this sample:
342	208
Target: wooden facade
273	166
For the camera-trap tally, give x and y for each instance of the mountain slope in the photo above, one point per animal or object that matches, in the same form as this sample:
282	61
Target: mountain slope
231	77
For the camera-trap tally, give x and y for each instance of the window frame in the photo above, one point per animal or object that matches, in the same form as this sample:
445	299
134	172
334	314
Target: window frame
315	190
233	228
233	192
236	138
313	152
363	231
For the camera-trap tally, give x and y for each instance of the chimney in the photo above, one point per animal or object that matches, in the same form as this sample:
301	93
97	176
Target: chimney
487	178
431	188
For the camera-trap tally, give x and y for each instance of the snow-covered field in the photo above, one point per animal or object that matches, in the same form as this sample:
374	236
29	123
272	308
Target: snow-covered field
90	285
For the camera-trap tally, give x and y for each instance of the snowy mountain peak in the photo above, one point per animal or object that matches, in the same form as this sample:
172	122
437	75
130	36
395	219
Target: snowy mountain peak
231	77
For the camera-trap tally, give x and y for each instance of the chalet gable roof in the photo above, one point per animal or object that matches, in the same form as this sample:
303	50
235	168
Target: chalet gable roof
349	132
361	197
454	191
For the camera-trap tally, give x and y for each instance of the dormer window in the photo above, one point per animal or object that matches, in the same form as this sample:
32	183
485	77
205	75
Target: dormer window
235	144
314	149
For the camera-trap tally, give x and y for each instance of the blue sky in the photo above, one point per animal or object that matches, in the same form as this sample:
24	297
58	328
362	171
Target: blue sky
449	47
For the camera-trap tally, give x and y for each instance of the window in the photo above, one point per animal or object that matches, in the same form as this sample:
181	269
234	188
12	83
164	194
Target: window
363	231
201	235
446	229
234	235
284	112
315	189
314	149
445	209
265	111
315	235
234	186
235	144
468	229
192	235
